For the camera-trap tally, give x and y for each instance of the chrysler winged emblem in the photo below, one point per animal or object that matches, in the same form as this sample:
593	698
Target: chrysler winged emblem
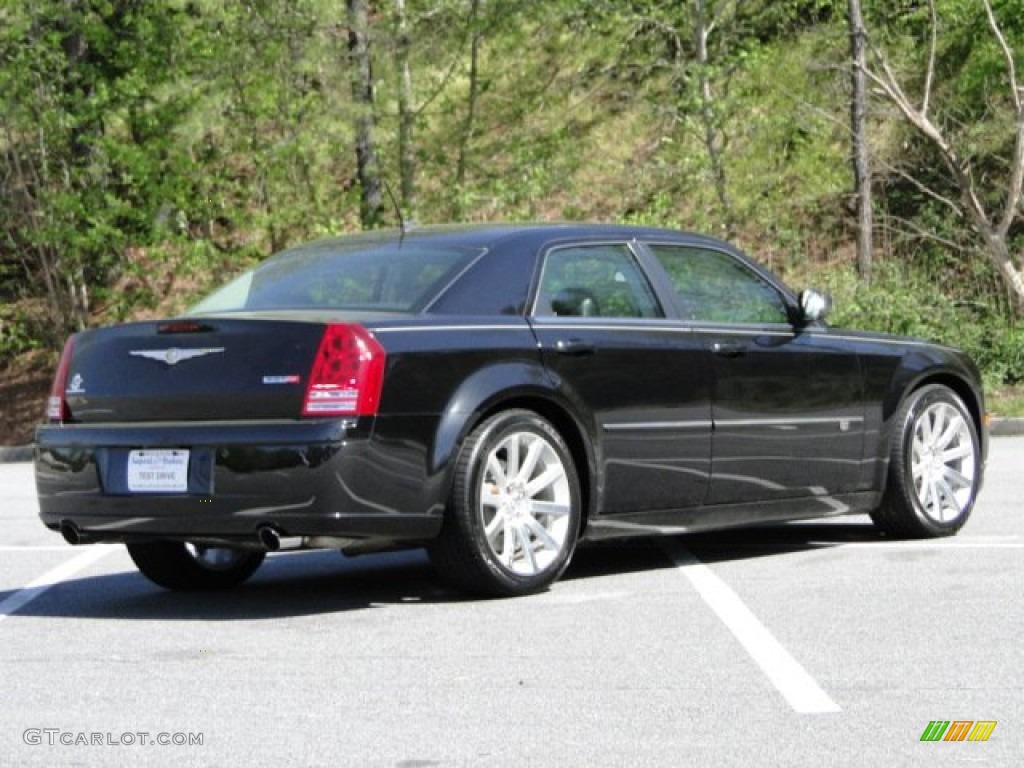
173	356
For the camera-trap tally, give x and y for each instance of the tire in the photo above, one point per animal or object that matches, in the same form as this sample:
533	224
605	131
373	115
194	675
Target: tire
193	567
934	467
510	533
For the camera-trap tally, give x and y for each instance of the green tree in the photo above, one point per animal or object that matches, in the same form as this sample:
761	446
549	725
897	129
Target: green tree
86	95
976	133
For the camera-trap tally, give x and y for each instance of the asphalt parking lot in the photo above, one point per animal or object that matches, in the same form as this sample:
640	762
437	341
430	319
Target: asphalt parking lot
812	644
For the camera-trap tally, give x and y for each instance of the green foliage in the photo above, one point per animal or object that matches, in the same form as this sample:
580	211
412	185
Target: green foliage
150	150
903	301
20	332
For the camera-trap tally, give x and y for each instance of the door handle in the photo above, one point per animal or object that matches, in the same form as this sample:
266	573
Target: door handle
574	347
728	349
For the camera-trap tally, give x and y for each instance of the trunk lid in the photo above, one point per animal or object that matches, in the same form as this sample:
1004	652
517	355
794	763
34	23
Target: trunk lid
193	369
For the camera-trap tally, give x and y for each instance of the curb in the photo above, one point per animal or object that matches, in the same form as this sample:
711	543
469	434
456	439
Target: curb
1006	427
14	453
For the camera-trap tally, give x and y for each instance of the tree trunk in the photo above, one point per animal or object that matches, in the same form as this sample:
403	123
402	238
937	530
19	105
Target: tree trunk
998	252
712	134
406	115
469	124
861	151
367	166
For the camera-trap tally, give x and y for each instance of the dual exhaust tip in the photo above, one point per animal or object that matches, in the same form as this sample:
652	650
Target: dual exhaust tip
269	537
272	540
73	535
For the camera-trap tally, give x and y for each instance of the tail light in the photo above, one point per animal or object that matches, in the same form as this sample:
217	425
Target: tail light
347	374
57	404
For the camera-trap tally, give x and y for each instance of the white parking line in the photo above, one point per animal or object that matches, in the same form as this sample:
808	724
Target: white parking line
957	542
787	675
36	587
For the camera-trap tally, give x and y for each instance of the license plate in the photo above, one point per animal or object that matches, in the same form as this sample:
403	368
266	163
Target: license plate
158	471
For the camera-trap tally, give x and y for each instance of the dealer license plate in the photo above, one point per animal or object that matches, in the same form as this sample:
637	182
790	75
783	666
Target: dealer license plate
158	471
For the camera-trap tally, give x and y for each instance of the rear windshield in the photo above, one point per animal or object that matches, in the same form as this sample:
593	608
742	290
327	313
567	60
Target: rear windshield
388	278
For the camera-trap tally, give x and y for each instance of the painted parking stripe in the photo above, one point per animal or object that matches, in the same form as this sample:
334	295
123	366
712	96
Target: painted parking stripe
957	542
35	588
795	684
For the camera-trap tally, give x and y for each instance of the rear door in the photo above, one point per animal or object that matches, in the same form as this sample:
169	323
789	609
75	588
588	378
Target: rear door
644	378
786	401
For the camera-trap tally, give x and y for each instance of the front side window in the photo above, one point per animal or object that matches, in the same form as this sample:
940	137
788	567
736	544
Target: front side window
713	286
595	281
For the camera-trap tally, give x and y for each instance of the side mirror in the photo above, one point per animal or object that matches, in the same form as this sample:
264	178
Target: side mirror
814	306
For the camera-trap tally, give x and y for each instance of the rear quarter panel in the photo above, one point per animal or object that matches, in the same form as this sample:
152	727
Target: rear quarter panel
443	375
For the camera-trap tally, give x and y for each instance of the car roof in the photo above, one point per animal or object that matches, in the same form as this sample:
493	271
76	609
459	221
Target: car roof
491	235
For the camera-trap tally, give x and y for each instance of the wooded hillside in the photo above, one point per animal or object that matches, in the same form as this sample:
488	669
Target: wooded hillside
149	149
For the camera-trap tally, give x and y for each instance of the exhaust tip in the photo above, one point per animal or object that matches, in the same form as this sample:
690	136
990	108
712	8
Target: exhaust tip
70	532
269	538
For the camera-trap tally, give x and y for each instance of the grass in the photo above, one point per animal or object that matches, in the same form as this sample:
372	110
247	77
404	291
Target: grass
1006	401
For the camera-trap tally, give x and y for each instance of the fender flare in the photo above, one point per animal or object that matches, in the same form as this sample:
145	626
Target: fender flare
513	383
902	386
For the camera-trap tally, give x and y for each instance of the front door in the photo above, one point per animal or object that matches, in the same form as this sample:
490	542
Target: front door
786	401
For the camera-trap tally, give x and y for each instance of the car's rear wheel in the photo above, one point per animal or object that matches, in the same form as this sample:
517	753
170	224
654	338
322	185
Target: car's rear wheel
193	567
934	466
514	512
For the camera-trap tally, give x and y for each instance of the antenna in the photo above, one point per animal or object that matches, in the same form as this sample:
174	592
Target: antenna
398	209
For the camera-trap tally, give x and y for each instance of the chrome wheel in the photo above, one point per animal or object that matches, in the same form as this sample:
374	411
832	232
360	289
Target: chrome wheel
525	501
936	459
515	508
943	463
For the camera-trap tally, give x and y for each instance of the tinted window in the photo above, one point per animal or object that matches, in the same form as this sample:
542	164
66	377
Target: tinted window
496	284
595	281
396	278
714	286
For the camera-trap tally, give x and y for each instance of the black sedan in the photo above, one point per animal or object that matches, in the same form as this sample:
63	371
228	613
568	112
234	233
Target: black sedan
496	394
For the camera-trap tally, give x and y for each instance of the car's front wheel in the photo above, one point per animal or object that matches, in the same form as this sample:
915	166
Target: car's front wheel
515	508
193	567
934	466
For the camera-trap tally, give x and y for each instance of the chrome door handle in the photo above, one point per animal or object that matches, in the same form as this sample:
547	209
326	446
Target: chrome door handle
574	347
728	349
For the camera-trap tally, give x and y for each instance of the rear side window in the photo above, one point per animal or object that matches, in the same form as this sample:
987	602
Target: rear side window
714	286
595	281
393	278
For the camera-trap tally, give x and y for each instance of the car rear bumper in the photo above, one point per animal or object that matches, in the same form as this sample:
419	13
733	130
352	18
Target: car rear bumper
302	479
